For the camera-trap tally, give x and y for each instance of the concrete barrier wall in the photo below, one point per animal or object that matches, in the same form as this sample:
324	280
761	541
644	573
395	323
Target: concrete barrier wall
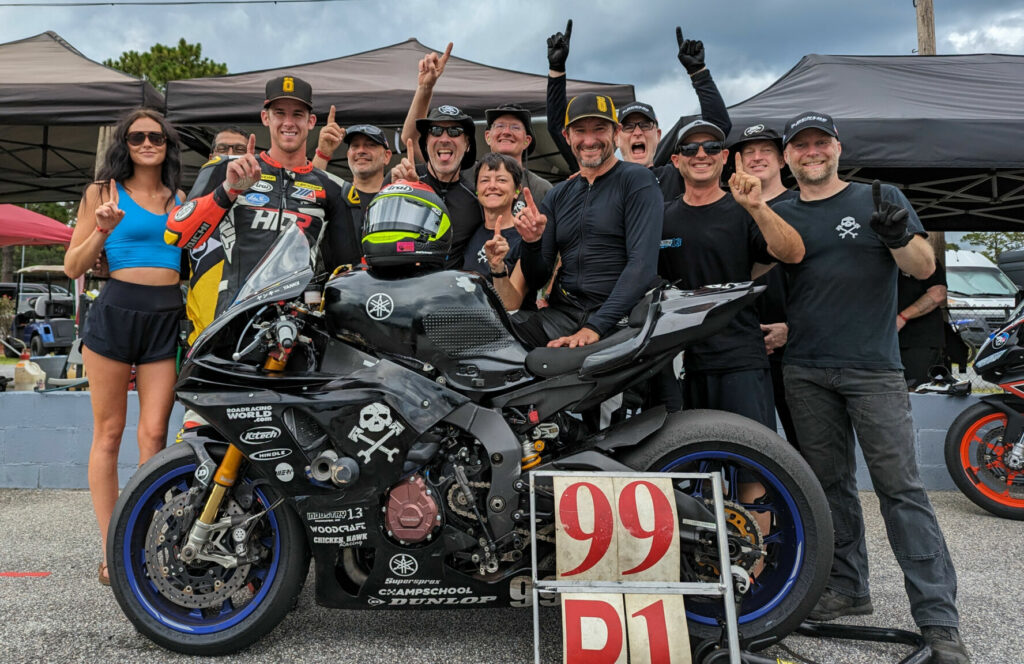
45	439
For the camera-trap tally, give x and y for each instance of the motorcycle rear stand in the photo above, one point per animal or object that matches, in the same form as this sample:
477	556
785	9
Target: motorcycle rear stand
920	655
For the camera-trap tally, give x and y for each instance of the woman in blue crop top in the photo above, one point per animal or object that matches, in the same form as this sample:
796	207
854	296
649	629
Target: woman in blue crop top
135	320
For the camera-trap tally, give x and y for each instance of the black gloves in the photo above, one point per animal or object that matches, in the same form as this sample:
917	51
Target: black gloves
558	49
691	52
889	221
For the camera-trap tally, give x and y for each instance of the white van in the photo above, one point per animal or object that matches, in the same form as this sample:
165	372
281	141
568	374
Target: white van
977	289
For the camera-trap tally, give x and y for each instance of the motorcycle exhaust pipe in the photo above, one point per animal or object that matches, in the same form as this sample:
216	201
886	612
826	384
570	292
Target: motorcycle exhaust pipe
328	467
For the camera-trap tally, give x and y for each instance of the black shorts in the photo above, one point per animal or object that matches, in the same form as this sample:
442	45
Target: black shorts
135	323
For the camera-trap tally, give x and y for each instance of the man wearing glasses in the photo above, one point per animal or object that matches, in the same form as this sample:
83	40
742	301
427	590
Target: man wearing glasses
228	142
248	200
638	140
710	236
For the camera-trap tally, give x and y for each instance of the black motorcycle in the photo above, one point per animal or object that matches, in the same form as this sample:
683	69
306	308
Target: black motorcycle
985	444
386	427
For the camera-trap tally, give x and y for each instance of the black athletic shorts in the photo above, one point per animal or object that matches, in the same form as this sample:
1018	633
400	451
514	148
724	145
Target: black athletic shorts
135	323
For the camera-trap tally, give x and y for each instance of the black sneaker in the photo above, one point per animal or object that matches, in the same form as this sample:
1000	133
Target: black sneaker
947	648
833	605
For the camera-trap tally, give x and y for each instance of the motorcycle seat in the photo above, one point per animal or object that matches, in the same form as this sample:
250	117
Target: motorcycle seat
549	362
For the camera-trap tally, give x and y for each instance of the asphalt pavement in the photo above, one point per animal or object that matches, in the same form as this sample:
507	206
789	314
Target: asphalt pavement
67	616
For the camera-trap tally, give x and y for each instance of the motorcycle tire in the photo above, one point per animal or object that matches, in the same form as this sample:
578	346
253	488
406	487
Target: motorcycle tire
974	458
799	543
157	607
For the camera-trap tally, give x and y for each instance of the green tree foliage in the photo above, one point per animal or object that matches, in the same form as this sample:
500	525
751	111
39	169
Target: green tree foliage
168	63
993	244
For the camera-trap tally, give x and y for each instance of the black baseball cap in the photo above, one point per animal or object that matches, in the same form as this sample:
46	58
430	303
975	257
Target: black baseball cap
375	134
809	120
757	132
517	111
590	105
643	109
700	127
289	87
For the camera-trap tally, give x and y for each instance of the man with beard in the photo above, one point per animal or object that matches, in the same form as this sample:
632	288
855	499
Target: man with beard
368	156
605	224
639	137
843	375
248	201
760	151
713	237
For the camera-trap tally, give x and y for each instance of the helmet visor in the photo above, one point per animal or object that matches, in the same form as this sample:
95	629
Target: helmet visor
402	213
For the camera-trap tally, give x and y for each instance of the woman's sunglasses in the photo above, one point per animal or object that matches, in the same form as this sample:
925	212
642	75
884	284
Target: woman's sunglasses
137	138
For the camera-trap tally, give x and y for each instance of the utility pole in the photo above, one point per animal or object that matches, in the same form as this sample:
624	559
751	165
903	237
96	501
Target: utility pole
925	27
926	46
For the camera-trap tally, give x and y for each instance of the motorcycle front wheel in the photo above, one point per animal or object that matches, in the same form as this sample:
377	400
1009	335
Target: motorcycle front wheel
797	537
975	458
200	608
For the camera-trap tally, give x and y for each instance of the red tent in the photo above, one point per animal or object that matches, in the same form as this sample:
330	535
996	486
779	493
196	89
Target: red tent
21	226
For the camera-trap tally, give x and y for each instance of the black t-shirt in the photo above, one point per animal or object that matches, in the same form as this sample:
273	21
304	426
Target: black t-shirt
771	305
669	181
474	258
716	244
607	234
842	299
463	209
924	331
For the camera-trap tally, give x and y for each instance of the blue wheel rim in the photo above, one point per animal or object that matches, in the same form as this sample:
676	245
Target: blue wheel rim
167	613
785	542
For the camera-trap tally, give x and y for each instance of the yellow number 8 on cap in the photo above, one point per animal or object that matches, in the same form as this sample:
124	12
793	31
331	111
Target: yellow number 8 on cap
289	84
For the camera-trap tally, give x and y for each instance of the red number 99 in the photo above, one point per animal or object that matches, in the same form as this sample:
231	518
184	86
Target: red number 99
601	535
663	531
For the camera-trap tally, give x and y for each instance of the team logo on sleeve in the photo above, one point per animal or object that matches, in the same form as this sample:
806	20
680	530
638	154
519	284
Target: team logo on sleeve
184	211
848	227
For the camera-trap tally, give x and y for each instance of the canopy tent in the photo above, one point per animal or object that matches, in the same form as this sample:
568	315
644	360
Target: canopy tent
947	129
376	87
19	226
53	101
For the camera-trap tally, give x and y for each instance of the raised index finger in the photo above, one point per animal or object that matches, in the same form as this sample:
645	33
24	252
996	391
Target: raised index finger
679	35
568	30
251	147
409	152
876	194
739	164
447	52
529	200
330	116
497	227
113	191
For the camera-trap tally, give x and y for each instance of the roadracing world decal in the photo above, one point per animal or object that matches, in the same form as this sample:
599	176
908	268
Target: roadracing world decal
254	413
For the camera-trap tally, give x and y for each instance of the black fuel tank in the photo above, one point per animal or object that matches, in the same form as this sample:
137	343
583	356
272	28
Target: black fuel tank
451	320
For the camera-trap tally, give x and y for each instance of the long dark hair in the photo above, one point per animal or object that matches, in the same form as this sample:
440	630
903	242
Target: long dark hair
118	165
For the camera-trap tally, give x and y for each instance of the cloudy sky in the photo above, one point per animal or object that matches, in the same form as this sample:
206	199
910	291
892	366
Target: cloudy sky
749	43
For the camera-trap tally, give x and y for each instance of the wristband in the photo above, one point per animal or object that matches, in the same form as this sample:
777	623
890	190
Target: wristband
499	275
105	231
901	316
323	155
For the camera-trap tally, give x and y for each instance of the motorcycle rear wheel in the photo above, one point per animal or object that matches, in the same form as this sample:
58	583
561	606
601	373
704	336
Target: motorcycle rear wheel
263	596
974	454
799	542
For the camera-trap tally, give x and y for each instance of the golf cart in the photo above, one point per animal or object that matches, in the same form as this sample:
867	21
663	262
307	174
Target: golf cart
44	321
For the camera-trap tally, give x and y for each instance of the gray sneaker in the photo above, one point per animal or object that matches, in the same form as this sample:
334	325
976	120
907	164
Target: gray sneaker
834	605
947	648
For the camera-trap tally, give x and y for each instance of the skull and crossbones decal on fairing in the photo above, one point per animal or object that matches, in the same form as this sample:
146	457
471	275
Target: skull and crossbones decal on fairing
375	418
847	227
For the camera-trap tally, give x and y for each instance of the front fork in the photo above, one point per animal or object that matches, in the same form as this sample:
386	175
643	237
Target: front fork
223	479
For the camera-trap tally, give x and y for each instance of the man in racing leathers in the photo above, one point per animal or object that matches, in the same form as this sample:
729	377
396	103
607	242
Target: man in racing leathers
249	200
639	136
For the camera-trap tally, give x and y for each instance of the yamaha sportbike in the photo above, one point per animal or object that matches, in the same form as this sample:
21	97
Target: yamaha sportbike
386	428
985	444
